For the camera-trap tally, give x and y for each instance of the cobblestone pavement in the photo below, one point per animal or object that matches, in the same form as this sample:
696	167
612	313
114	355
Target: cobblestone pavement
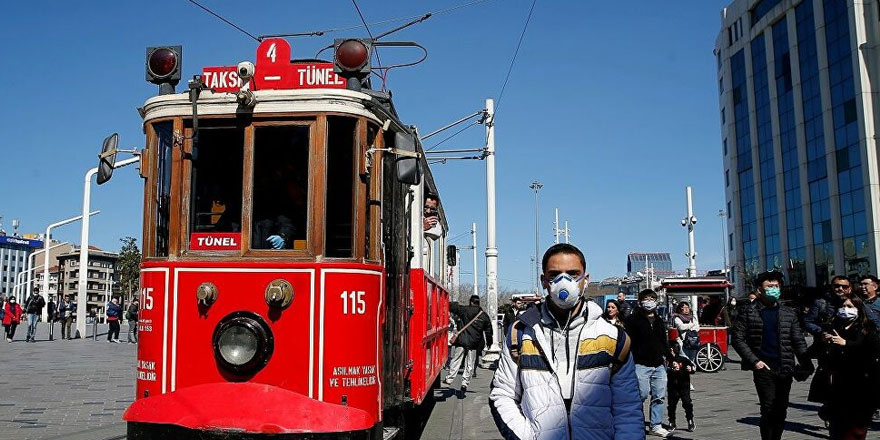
64	389
78	390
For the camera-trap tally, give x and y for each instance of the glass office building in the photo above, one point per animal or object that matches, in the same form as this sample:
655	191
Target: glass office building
798	119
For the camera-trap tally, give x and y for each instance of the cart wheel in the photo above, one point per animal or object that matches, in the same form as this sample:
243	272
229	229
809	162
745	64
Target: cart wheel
709	358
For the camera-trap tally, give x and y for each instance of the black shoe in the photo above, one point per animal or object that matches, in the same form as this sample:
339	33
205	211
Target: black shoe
672	426
464	388
691	425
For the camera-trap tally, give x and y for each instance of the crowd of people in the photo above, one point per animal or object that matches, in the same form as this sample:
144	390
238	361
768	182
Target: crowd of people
570	369
64	313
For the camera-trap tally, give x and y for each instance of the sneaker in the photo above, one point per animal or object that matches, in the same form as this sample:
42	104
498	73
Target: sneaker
464	388
691	425
9	340
659	431
449	381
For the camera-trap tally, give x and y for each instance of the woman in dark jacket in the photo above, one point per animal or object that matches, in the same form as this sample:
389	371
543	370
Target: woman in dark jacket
851	354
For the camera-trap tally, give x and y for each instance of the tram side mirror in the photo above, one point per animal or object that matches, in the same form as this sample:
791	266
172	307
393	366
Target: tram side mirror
107	158
407	167
450	255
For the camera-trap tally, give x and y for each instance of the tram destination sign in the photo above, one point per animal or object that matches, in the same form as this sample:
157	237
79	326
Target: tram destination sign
215	241
273	70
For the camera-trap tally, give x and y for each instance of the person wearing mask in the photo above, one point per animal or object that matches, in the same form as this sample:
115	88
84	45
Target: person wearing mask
679	373
868	284
114	312
33	306
612	313
823	309
132	316
650	347
770	342
66	313
564	372
625	307
476	331
847	385
688	329
11	317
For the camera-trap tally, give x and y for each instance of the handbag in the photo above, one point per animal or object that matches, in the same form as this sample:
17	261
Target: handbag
691	340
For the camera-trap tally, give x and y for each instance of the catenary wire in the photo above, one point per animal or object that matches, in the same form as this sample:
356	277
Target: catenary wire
225	20
452	135
515	53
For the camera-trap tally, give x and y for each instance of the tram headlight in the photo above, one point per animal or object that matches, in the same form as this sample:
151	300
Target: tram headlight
243	343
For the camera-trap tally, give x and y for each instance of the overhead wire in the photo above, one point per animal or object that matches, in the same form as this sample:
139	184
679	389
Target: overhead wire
515	53
225	20
452	135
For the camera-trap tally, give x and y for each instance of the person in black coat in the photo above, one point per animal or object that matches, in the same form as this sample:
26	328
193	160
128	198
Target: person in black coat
847	379
476	332
824	309
679	374
768	337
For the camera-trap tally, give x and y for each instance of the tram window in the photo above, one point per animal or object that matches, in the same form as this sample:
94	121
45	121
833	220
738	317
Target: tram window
340	185
216	181
280	185
164	142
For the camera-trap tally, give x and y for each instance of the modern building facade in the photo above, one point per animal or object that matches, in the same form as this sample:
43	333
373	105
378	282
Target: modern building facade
641	261
14	254
798	116
101	277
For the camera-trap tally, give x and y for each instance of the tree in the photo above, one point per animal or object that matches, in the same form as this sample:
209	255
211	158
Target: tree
128	268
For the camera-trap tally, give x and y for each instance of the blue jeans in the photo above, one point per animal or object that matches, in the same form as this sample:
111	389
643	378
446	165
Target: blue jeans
652	381
32	325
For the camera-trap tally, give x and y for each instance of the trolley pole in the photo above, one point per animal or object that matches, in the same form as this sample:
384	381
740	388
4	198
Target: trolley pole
491	249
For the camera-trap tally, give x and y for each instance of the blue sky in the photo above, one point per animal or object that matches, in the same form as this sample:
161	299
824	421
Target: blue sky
613	106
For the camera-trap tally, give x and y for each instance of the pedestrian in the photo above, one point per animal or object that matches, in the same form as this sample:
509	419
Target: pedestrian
519	306
565	373
477	330
869	284
847	379
132	317
711	313
625	307
824	309
612	313
688	329
650	347
11	317
679	373
114	311
34	308
66	313
769	340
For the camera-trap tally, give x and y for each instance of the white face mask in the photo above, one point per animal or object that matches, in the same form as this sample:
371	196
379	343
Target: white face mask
565	291
847	314
649	305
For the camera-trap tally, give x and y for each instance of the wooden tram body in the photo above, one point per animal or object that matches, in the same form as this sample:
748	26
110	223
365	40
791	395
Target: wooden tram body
346	323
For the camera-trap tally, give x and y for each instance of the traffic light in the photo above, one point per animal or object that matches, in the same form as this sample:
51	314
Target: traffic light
451	255
163	65
351	60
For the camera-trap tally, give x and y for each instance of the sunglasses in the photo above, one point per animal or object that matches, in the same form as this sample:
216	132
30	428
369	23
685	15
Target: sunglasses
841	286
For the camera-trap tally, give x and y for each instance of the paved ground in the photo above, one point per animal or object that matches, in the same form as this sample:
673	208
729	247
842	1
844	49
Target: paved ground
78	390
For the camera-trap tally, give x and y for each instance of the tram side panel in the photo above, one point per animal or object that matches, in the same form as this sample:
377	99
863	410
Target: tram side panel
428	333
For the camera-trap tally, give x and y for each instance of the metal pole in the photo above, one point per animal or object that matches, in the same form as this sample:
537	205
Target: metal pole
536	186
81	296
474	247
690	221
46	247
491	249
556	227
567	231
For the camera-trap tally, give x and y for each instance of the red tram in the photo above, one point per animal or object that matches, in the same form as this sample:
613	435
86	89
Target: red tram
286	287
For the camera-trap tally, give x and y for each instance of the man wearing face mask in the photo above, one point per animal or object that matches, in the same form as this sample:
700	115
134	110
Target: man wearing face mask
564	373
650	347
769	339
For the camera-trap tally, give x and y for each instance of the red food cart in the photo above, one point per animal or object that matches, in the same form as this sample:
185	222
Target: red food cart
713	338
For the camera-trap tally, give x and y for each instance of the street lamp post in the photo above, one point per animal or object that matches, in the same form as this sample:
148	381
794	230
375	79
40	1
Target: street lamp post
81	299
689	223
46	247
27	285
491	249
536	186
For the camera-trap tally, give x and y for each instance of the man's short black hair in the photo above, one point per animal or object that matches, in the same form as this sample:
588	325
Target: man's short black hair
870	277
475	300
771	275
840	277
562	248
645	293
432	196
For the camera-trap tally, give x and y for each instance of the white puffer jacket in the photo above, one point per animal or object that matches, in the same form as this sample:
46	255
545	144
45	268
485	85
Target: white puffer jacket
526	398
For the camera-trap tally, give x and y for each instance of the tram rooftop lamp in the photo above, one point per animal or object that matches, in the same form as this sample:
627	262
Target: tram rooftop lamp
351	60
163	65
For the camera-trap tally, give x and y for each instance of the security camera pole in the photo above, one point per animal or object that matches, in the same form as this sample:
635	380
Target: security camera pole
689	223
